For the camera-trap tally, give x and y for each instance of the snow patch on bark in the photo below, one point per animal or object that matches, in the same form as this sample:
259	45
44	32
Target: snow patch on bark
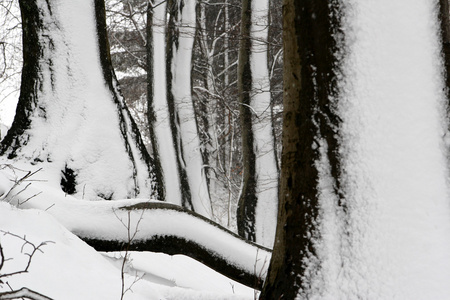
191	155
161	124
394	241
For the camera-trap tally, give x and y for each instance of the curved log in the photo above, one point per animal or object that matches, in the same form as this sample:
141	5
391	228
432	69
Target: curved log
230	259
23	293
143	225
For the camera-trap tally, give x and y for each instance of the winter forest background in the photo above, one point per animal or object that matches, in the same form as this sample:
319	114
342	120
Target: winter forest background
178	149
214	31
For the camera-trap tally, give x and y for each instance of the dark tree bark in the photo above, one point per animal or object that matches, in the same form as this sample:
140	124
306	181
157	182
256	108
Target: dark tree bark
248	199
444	19
258	204
172	41
180	39
151	114
309	84
167	166
63	119
23	293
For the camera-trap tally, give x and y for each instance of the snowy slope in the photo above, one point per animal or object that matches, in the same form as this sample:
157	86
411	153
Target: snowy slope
69	269
96	219
66	269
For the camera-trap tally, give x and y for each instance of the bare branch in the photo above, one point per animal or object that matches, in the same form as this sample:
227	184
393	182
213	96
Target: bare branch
23	293
30	255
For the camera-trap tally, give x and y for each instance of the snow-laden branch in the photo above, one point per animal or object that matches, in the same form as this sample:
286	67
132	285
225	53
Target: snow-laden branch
162	227
23	293
184	232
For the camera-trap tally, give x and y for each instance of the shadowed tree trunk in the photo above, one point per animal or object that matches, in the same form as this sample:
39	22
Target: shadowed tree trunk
308	138
444	19
71	116
257	209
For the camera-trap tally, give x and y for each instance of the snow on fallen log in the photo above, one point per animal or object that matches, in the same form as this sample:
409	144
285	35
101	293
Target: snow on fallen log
141	224
173	230
23	293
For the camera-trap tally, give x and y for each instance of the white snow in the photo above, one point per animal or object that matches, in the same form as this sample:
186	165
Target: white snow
187	127
266	211
391	242
171	271
72	123
394	237
102	219
3	130
67	268
161	126
175	277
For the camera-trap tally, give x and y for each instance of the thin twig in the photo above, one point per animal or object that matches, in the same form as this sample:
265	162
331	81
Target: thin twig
30	255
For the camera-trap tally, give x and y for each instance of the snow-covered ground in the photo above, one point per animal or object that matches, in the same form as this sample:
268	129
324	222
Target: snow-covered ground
67	268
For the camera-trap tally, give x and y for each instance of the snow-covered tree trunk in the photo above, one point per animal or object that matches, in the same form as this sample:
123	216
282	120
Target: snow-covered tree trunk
258	204
184	124
444	18
164	152
71	116
308	142
364	186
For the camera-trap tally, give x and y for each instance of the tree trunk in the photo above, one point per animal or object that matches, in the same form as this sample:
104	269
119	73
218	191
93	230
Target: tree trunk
164	151
209	107
444	18
357	179
183	120
309	144
257	211
71	116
